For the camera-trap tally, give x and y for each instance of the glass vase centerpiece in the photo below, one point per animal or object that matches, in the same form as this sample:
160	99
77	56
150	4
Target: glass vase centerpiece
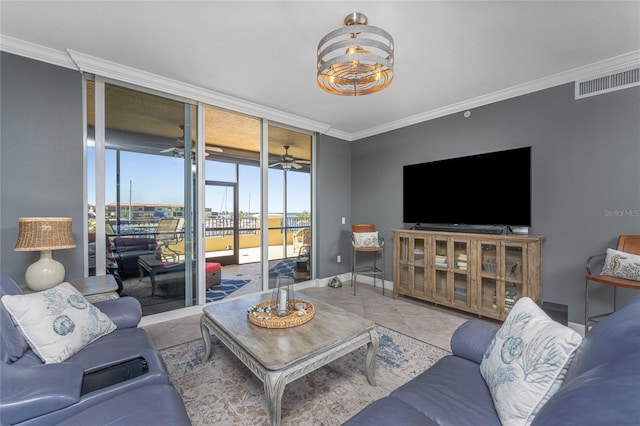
282	296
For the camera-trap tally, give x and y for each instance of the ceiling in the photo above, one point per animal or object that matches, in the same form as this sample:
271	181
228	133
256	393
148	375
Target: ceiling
449	55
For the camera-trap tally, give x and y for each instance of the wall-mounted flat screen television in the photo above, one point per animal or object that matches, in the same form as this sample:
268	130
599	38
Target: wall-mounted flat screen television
484	189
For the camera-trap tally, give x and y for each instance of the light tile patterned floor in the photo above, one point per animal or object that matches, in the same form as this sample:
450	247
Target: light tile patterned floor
415	318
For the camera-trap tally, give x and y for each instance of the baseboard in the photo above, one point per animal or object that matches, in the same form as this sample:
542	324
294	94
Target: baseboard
362	279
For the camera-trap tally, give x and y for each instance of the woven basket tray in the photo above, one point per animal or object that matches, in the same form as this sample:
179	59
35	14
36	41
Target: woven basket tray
291	320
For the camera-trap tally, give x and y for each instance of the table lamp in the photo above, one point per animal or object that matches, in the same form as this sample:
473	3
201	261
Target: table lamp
44	234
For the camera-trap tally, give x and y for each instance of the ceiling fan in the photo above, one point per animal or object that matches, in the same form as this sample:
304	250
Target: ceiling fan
287	161
178	151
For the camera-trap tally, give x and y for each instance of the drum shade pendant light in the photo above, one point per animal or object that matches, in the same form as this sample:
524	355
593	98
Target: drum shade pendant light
355	60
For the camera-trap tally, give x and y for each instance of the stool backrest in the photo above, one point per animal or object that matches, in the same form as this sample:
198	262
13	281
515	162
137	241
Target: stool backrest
629	244
363	227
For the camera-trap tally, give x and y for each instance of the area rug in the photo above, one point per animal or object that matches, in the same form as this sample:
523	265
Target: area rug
170	290
225	288
222	391
284	267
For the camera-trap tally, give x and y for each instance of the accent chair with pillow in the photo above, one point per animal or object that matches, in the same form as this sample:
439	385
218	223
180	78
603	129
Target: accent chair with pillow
529	371
65	360
365	240
621	268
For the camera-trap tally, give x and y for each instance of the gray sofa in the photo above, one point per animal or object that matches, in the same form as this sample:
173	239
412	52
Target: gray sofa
601	387
117	379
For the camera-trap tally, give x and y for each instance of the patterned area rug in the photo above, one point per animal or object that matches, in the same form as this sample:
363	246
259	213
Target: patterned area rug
225	288
223	391
173	289
284	267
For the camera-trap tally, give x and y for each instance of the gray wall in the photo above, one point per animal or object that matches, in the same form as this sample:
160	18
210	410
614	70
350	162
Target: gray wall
40	156
333	180
585	162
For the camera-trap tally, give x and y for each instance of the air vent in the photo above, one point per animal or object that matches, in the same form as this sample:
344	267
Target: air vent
617	80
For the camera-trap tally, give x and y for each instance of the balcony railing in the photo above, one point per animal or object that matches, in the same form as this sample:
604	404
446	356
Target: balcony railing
214	227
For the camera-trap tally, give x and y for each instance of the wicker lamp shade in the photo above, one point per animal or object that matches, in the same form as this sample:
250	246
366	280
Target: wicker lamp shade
44	233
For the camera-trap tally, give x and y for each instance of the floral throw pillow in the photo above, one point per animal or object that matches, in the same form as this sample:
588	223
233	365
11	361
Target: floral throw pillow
58	322
365	239
526	362
622	265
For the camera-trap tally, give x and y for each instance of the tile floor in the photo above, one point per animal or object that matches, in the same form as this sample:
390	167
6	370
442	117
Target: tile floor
424	321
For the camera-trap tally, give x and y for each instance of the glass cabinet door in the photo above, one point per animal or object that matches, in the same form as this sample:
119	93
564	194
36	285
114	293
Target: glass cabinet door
489	292
461	289
501	276
441	259
419	279
411	262
402	281
513	281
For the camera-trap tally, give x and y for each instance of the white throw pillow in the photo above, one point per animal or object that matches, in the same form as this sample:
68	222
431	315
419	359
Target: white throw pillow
57	322
622	265
526	362
365	239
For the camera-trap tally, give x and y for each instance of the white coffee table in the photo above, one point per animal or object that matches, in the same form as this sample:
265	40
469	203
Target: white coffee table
279	356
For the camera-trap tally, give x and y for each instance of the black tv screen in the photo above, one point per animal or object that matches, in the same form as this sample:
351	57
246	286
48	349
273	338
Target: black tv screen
484	189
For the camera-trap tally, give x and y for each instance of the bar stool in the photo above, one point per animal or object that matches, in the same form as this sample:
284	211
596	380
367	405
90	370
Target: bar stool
365	239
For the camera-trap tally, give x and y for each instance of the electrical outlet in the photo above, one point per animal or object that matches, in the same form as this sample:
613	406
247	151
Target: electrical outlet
339	259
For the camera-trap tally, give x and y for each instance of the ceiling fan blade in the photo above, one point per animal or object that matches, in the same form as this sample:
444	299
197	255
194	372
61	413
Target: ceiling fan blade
296	165
303	161
168	150
274	164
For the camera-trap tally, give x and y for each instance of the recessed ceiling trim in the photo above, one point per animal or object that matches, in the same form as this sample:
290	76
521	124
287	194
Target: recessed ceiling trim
630	59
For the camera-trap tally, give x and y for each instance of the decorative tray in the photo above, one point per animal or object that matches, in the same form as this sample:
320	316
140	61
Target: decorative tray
262	316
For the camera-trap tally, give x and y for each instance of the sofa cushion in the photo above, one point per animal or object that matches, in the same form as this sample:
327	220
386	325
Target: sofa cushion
605	395
452	391
149	405
526	362
57	322
389	411
123	244
619	331
12	343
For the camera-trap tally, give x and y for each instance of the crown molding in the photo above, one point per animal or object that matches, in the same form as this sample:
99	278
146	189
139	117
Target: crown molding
93	65
35	51
97	66
602	67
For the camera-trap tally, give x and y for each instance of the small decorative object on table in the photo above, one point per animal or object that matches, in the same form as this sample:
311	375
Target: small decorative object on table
262	314
282	296
282	310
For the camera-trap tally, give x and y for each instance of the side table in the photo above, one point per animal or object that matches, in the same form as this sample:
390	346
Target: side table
98	288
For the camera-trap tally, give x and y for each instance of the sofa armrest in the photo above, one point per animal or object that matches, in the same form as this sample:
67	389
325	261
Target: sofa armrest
29	392
125	312
471	339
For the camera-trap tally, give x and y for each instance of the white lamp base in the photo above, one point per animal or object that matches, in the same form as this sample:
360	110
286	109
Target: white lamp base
45	273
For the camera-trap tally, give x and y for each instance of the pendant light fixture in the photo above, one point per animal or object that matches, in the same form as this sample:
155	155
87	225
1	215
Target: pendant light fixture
355	60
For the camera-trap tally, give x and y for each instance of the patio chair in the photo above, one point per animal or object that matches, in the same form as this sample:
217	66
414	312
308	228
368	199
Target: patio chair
169	233
301	240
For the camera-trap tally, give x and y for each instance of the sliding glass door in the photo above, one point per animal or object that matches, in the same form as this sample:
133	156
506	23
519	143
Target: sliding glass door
141	147
289	204
149	186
